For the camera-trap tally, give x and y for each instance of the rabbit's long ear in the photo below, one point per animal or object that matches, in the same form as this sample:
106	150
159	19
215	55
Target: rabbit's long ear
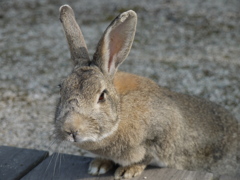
77	46
116	42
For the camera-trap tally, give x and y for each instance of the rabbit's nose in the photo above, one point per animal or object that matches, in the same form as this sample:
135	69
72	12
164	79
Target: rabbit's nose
72	135
73	102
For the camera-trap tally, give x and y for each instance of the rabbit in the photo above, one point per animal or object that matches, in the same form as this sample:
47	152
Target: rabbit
131	121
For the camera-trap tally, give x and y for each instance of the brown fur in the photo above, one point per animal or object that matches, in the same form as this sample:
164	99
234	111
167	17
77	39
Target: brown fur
125	83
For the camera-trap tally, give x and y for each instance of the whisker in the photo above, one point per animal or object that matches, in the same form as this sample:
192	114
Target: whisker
49	164
60	161
52	142
55	164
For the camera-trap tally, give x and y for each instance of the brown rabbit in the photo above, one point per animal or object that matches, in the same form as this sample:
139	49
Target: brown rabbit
132	121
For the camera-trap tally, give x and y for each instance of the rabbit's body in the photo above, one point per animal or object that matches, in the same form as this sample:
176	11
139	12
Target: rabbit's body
170	127
130	120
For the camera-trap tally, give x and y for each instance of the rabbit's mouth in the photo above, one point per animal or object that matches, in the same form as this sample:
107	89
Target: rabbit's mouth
76	138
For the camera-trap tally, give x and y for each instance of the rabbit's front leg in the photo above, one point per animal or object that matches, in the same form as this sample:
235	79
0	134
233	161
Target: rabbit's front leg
130	171
100	166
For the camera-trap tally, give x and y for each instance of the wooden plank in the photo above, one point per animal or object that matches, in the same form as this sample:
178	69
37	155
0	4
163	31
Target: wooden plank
62	166
225	177
17	162
174	174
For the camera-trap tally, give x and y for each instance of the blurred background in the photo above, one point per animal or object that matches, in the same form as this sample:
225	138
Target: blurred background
189	46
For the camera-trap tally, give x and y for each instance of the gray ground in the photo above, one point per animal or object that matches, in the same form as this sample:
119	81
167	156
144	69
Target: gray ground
189	46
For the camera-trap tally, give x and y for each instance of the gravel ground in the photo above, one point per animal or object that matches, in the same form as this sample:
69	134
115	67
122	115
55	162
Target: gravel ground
189	46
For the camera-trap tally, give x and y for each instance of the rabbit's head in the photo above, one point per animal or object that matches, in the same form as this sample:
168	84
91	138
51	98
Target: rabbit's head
89	104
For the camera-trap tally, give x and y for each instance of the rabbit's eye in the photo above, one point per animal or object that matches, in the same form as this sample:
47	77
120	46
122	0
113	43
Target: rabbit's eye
102	96
59	86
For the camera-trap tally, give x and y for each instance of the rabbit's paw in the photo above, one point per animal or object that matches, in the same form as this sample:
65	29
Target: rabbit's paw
129	171
99	166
